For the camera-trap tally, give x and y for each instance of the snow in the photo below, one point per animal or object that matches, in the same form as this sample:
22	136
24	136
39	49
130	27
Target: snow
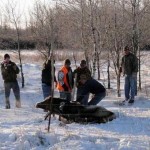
25	128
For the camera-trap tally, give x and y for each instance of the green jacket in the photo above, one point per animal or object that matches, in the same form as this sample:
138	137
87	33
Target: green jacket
129	64
9	71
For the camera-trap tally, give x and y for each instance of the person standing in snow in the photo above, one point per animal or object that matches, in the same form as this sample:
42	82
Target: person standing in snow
83	69
47	78
9	72
90	85
65	80
129	68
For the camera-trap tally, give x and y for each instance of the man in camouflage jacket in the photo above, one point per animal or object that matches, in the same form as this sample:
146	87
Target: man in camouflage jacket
129	68
9	72
82	70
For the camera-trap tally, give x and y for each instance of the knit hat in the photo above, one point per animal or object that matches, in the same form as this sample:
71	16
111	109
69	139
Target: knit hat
83	62
67	62
6	56
126	48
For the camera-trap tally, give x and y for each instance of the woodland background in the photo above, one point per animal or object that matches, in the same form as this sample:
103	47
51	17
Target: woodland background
99	29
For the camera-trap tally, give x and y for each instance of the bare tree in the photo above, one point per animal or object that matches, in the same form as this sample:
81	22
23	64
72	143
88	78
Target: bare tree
116	44
93	30
40	22
84	36
15	20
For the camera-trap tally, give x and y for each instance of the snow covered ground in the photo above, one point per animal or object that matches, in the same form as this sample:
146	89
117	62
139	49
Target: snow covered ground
25	128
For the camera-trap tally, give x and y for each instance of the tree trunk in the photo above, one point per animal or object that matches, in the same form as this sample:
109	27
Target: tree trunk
139	65
98	66
94	39
108	72
83	37
20	60
118	85
135	36
135	26
118	57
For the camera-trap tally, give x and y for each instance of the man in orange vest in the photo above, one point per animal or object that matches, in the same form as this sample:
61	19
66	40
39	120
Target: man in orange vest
65	81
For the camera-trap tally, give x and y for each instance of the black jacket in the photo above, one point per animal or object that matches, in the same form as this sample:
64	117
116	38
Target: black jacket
47	73
91	86
129	64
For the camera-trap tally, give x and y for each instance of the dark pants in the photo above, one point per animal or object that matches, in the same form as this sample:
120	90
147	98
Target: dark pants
130	87
65	95
86	97
15	87
46	90
97	98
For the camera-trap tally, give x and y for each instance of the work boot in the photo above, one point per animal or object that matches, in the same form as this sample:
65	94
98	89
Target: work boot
131	101
124	102
7	104
18	104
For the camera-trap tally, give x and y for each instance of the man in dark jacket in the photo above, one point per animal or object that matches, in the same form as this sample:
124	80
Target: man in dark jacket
9	72
129	67
91	86
47	78
83	69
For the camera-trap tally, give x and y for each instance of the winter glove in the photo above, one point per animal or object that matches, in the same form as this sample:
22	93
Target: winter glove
5	65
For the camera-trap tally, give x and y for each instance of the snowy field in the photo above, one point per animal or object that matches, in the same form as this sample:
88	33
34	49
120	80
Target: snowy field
25	128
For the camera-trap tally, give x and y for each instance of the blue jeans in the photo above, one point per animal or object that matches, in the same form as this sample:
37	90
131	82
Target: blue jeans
130	87
46	90
86	97
97	98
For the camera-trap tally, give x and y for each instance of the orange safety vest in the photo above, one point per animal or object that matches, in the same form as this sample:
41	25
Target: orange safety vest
59	86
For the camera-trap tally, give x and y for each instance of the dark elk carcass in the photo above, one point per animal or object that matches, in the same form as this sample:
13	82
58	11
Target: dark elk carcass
74	112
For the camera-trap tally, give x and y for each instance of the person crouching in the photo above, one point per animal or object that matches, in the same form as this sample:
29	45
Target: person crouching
91	86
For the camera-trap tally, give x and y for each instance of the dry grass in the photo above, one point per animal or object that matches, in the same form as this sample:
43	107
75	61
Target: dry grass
36	57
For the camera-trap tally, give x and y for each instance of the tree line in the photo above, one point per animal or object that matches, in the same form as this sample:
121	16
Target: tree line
99	28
